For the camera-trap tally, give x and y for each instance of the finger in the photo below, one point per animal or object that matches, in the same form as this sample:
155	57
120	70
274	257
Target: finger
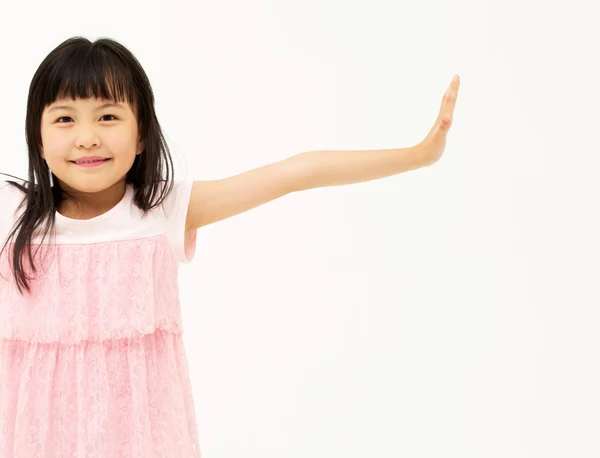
449	99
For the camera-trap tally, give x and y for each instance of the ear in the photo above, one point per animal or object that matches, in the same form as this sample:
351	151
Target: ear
140	148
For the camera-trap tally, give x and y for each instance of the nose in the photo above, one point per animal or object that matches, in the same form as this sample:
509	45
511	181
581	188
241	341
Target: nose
87	138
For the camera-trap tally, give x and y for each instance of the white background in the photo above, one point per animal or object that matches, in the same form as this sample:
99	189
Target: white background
450	311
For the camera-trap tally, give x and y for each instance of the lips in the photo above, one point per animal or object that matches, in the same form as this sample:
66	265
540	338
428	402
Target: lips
90	161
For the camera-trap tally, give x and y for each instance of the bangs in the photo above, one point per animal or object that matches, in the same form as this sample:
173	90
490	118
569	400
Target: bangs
89	73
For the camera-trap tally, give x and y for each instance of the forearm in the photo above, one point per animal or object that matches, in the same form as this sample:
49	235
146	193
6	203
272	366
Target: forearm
315	169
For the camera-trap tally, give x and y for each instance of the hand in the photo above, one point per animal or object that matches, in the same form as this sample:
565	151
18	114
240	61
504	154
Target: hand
435	142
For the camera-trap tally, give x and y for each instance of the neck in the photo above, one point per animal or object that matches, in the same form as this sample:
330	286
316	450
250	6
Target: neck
86	205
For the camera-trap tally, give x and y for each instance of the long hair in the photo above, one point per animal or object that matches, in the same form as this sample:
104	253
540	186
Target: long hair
80	69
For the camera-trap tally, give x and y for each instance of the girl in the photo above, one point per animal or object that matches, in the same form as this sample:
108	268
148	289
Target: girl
91	356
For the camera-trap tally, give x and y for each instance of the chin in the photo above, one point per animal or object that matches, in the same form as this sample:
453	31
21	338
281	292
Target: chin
88	185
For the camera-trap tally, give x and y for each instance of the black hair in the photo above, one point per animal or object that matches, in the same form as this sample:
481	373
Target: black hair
81	69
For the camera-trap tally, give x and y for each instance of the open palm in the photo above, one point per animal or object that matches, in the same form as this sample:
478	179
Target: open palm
435	142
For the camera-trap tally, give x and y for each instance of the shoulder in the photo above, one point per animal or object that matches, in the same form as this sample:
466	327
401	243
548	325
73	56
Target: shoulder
175	210
178	197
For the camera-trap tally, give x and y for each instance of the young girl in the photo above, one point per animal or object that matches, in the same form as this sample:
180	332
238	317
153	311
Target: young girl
92	362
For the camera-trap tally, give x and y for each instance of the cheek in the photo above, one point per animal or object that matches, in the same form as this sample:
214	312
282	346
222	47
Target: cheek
120	143
117	146
55	146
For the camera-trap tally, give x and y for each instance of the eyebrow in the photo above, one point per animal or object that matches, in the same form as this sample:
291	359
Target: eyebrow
69	107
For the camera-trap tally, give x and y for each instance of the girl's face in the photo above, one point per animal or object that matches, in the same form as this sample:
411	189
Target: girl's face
74	129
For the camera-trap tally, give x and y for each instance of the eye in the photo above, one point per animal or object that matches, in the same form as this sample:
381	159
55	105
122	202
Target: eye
68	117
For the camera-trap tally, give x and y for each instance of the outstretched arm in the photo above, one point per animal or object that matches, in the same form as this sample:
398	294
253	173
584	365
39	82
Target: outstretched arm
215	200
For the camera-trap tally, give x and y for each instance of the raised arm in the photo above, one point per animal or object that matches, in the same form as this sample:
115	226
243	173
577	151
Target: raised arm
215	200
212	201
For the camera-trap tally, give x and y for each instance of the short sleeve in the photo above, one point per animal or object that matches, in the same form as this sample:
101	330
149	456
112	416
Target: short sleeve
176	208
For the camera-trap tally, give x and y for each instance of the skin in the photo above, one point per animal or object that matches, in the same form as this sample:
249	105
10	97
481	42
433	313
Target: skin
86	129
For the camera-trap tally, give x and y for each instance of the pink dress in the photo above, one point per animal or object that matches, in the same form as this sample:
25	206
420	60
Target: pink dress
92	362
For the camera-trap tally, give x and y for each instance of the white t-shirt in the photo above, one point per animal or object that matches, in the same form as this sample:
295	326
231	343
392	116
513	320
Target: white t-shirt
125	221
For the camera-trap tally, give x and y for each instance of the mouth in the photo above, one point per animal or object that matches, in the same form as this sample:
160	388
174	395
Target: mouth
90	163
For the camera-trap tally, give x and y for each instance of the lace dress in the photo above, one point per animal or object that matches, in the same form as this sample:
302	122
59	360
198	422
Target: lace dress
92	362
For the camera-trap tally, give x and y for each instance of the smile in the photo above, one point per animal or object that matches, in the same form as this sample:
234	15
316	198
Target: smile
95	163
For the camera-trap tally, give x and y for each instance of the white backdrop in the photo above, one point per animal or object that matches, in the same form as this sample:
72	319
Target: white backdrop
451	311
